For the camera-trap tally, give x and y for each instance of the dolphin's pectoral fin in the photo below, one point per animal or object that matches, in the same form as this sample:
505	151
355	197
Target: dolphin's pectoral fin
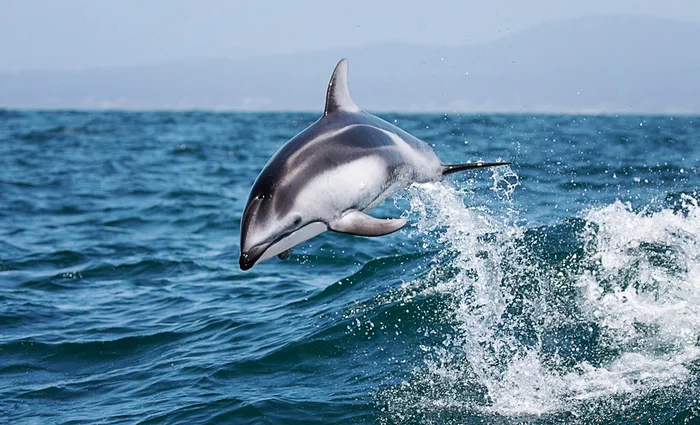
284	255
361	224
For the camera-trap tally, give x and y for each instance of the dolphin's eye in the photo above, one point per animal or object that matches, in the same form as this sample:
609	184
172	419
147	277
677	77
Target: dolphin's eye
260	197
297	221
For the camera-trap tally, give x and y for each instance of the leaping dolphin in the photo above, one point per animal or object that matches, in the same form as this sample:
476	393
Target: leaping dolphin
328	176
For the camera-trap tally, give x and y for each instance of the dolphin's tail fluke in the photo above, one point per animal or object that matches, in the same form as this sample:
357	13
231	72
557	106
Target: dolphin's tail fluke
456	168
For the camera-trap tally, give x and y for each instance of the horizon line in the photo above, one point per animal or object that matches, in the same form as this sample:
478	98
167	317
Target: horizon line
320	113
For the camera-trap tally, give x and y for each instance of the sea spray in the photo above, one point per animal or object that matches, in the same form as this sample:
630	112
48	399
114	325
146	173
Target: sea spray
612	316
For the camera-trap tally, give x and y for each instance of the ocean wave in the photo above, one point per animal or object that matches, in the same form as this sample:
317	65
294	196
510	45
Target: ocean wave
609	310
516	298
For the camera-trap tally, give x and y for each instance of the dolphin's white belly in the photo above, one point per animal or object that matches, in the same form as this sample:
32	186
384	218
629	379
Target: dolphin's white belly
355	185
365	183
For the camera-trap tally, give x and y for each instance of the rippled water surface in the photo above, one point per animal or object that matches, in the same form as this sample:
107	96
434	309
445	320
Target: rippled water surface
564	289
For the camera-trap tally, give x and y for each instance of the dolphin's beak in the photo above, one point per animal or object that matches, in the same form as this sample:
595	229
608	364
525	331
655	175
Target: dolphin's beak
251	256
245	262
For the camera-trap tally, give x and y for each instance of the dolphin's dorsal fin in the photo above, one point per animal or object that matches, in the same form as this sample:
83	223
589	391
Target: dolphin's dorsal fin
338	95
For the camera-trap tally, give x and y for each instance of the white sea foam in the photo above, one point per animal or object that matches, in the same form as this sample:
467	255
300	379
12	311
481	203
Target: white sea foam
637	288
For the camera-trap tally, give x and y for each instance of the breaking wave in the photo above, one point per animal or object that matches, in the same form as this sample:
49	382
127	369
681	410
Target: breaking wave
574	322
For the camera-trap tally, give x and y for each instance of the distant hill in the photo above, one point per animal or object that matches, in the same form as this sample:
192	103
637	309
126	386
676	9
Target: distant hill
599	64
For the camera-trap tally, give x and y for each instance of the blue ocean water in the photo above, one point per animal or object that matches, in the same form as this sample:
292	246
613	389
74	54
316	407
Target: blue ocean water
563	289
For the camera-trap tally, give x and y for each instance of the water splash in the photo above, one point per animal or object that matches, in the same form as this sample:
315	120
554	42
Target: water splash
612	315
505	181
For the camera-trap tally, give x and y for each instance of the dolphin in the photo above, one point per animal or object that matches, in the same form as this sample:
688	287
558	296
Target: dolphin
328	176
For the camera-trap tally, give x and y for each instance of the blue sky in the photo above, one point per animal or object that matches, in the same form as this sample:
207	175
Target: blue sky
76	34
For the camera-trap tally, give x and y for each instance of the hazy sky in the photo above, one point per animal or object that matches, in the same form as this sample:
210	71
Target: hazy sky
74	34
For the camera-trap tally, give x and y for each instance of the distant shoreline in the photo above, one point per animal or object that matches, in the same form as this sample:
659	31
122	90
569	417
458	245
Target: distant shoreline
590	66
